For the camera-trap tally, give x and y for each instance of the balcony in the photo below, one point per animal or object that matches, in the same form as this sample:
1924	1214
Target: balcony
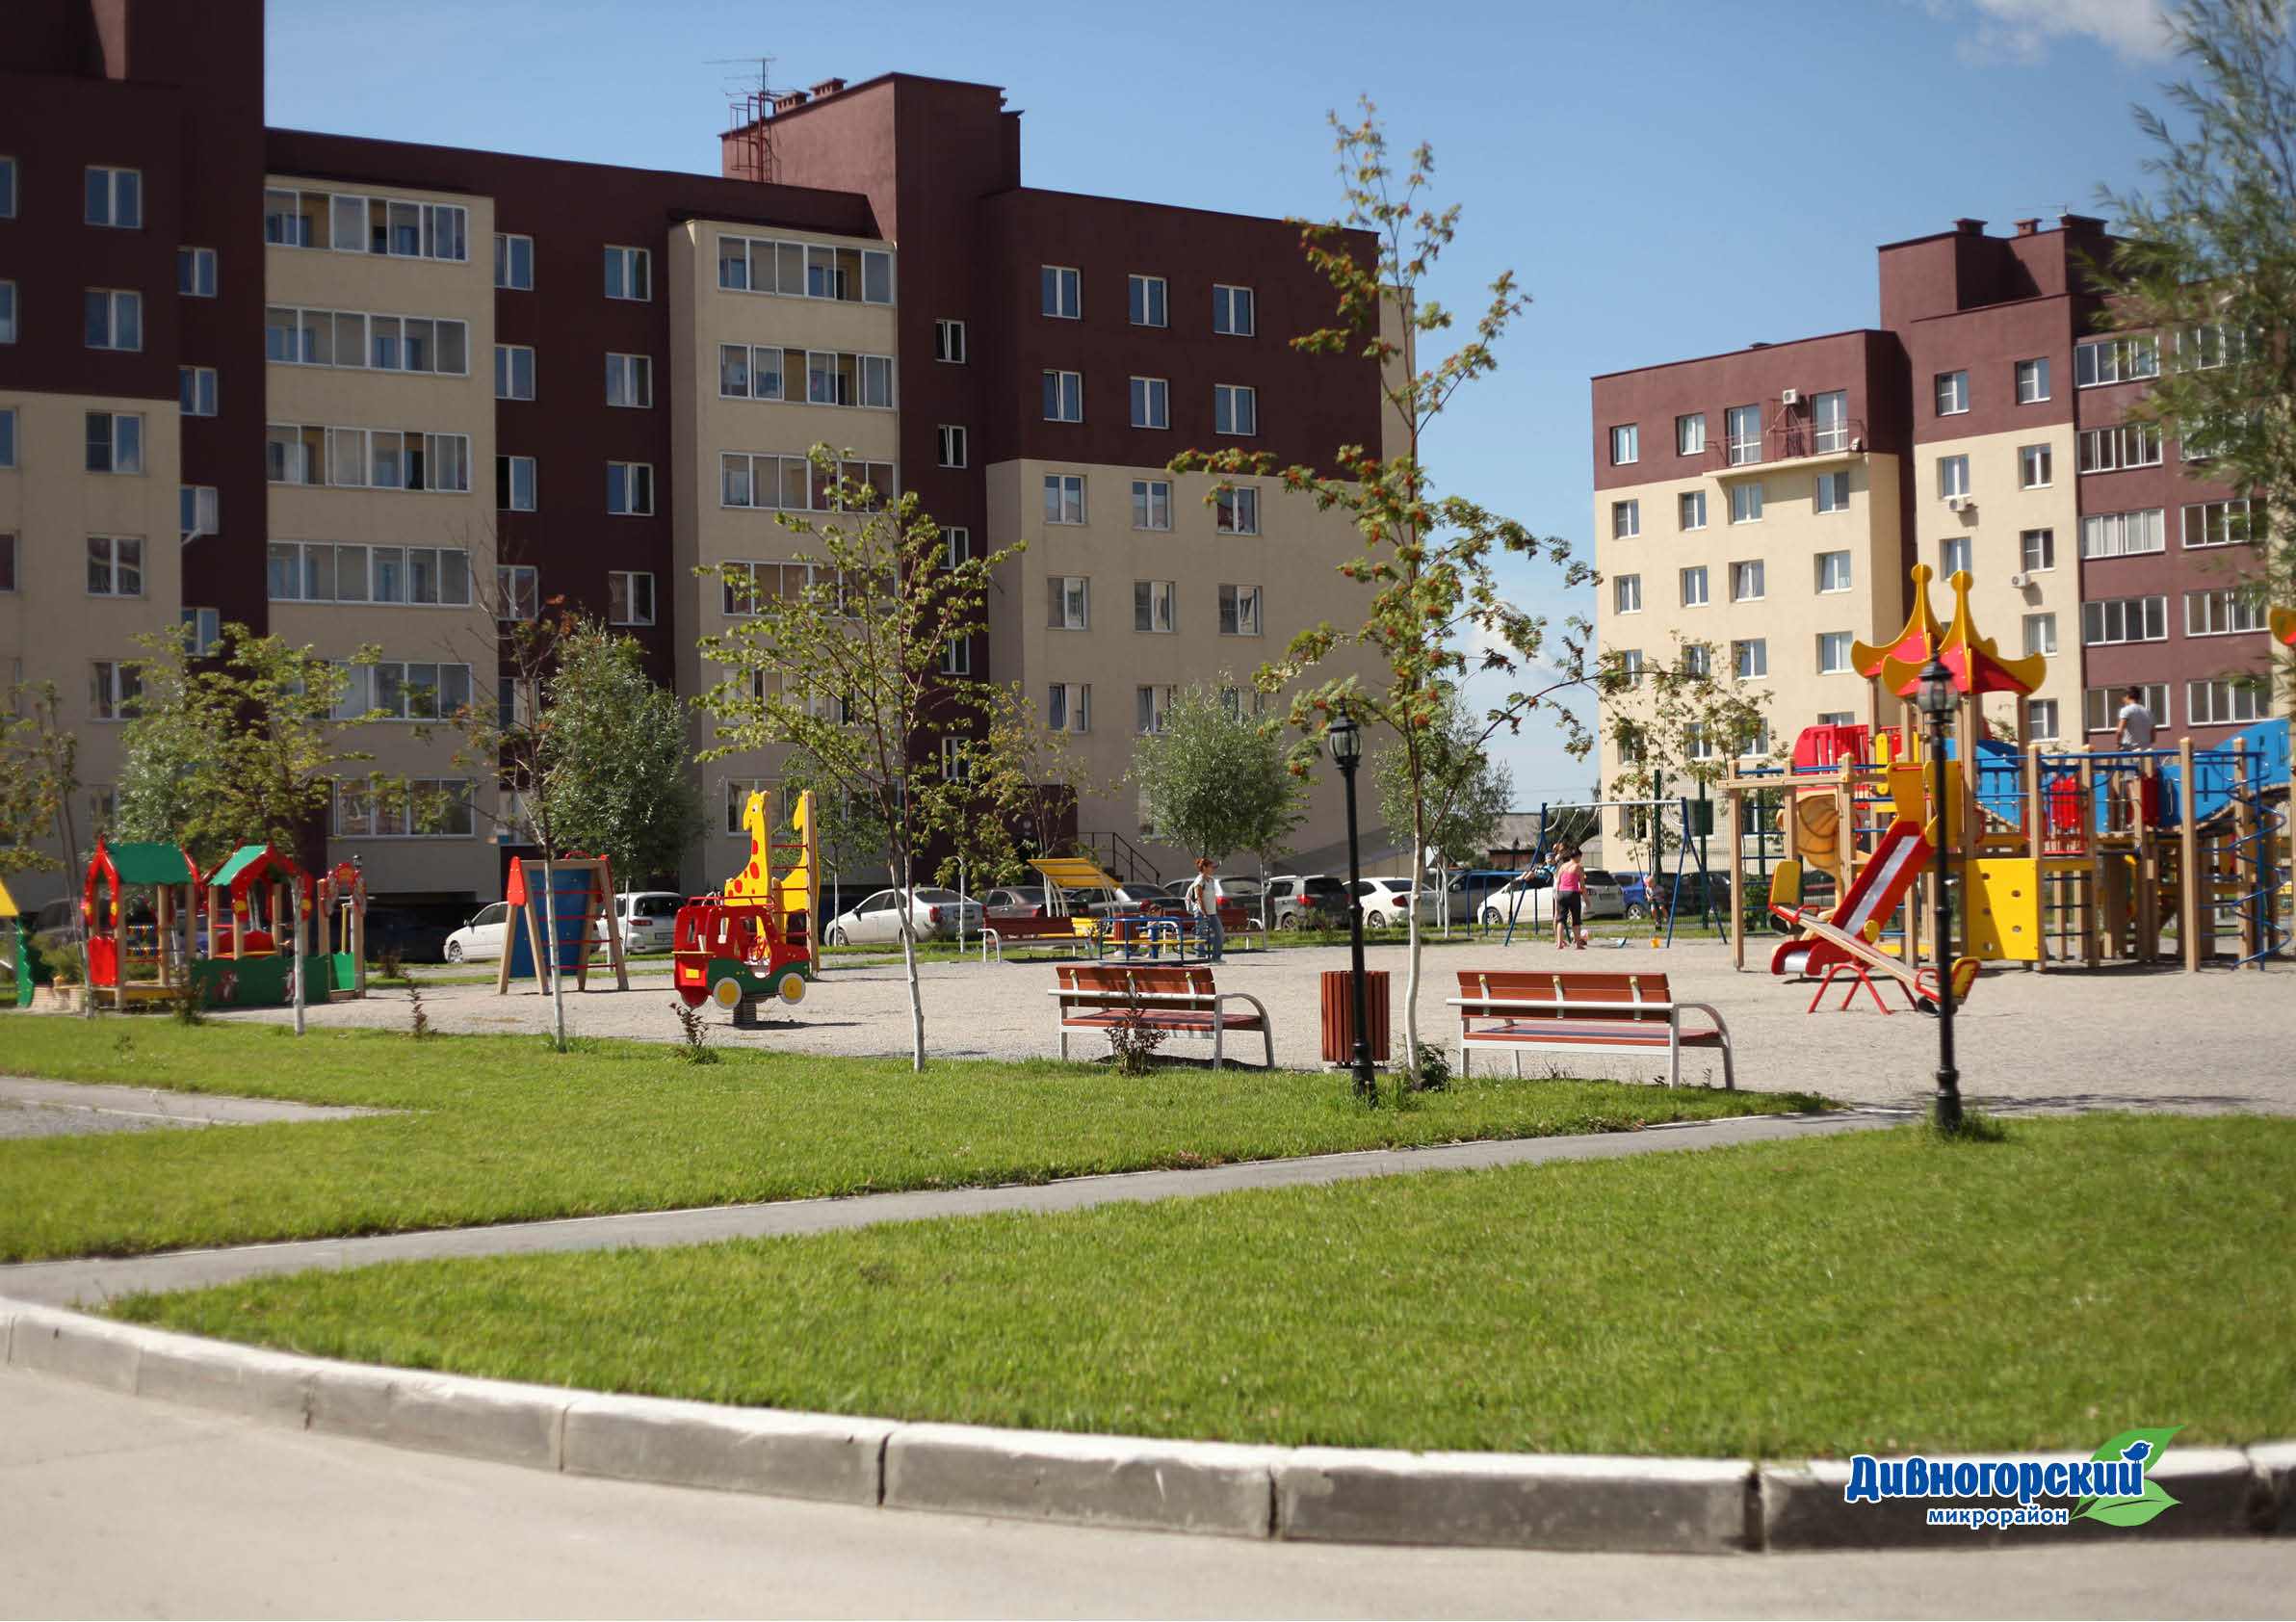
1792	441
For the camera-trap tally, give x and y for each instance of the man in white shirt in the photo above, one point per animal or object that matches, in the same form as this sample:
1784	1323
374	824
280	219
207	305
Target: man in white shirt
2137	727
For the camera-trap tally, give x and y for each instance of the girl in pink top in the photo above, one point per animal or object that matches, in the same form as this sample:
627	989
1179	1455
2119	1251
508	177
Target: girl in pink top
1570	902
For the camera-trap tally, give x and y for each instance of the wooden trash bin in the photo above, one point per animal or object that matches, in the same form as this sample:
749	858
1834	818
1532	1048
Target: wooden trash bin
1339	1015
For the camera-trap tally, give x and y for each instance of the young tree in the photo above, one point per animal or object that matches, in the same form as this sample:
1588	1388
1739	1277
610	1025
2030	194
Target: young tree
1025	778
1217	780
1466	791
261	715
616	756
40	777
843	667
1674	723
1428	555
2210	264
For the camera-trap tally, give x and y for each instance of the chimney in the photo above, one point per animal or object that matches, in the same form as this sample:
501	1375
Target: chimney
1969	227
828	86
2079	222
789	101
2026	228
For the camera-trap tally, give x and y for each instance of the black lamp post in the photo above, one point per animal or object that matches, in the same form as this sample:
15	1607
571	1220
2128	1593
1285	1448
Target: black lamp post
1344	739
1935	697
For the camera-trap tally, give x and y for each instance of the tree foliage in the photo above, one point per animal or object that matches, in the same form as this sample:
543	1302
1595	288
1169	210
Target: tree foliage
1472	790
1675	721
2209	263
1216	779
1025	781
615	751
38	777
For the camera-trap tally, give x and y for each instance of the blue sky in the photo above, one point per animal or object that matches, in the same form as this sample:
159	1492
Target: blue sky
1666	179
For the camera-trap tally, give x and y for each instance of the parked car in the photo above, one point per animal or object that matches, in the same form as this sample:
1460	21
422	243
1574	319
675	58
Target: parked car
933	914
482	936
1017	901
415	938
1605	895
1388	900
1153	900
1290	895
648	920
1689	891
58	922
1527	899
1467	891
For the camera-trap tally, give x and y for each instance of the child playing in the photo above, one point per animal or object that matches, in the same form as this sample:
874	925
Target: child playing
1570	901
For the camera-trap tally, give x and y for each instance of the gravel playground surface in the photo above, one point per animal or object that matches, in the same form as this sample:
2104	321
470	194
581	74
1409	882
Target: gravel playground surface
2111	1038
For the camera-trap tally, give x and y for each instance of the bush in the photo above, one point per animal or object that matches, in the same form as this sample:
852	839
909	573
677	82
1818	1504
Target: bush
59	961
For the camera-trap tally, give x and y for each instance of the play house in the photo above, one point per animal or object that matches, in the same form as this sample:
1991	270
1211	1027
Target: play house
138	903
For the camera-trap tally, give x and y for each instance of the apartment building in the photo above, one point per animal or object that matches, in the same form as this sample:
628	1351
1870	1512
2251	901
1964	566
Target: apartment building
1979	429
401	394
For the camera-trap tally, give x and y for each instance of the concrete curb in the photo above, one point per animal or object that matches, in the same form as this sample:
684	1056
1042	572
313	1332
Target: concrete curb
1560	1501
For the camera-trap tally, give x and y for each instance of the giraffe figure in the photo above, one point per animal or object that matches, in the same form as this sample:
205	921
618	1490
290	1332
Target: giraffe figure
755	882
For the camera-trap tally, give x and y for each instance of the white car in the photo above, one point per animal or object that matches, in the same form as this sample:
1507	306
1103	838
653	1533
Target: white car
648	920
932	914
1387	900
482	937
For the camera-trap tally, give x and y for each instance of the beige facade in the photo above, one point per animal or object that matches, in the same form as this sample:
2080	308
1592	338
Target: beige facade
2019	509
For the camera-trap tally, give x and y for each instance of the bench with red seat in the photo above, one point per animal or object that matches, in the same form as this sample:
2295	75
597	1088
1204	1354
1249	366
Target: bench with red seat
1183	1000
1566	1012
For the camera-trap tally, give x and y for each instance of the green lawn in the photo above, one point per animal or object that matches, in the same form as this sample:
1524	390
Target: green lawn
1875	1290
499	1129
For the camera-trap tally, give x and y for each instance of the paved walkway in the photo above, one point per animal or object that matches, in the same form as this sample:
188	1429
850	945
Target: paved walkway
87	1282
116	1505
37	1108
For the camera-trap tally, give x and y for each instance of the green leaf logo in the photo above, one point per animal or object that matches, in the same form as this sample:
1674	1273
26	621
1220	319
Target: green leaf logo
2133	1511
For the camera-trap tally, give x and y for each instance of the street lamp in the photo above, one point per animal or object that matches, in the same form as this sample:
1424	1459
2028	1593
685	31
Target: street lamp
1344	739
1934	695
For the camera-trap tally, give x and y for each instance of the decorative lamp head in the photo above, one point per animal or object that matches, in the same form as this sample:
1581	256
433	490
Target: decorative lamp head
1935	694
1344	739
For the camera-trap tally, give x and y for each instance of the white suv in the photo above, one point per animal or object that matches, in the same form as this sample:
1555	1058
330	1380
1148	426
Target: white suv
648	920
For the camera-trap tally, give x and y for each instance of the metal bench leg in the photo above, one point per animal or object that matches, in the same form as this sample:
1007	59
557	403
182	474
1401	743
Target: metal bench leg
1216	1028
1517	1055
1674	1064
1267	1040
1462	1059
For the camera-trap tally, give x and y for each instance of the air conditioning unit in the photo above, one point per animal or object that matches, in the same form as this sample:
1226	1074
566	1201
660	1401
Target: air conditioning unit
1960	504
2020	581
1857	444
1792	396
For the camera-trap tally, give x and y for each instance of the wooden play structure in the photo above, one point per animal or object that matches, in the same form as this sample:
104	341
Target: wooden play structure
137	902
579	893
15	953
342	919
2054	856
754	940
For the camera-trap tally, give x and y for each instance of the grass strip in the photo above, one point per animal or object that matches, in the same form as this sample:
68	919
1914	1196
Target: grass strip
499	1129
1872	1291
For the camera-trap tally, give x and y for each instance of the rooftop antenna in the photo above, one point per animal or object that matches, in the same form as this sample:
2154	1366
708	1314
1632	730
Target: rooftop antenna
750	117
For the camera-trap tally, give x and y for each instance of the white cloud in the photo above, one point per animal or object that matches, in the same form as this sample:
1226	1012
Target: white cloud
2018	31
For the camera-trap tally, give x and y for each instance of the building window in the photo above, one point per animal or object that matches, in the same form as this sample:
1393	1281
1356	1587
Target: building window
1237	511
2037	550
8	188
1744	424
8	312
1952	393
800	270
630	380
2040	634
1628	662
1957	557
1694	589
1953	477
2130	445
1234	409
1690	510
114	687
206	627
378	459
1698	662
1232	311
956	658
2101	706
389	343
2035	467
949	342
1147	300
1151	504
195	272
1747	582
630	274
2125	619
201	510
957	545
1626	595
1625	444
1239	611
630	487
195	390
321	572
1063	293
2222	613
114	567
1068	707
1829	417
794	484
737	791
1151	403
2225	703
2121	535
1151	709
1832	492
1745	503
8	564
2032	381
517	591
629	597
1063	498
1689	435
950	445
405	689
115	319
2115	360
1750	661
2216	523
8	437
513	262
1833	571
408	808
116	197
2041	718
514	484
1832	653
1064	397
513	372
1152	604
362	224
1068	602
1626	519
115	442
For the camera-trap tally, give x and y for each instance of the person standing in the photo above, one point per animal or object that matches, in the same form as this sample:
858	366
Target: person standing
1202	900
1570	901
2136	732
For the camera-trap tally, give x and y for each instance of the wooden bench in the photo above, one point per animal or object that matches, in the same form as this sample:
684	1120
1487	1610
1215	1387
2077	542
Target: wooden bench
1184	1001
1057	931
1559	1012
